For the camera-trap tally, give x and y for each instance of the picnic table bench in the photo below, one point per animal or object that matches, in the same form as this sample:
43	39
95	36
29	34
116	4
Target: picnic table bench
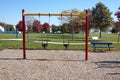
102	45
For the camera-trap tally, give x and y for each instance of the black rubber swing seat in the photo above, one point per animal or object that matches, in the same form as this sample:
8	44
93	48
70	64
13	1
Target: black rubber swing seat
44	44
66	45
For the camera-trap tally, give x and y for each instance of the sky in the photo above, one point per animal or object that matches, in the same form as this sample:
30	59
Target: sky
11	10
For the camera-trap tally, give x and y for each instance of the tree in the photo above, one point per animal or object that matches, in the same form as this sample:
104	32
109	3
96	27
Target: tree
118	14
19	26
114	30
2	24
36	26
46	27
101	17
117	23
64	28
30	29
75	24
54	28
29	23
29	20
9	27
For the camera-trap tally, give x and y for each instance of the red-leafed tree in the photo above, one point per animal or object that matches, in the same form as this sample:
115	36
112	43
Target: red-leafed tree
46	27
19	26
117	14
117	24
36	26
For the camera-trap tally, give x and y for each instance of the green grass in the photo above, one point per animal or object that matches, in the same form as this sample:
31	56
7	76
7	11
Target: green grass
33	45
9	36
55	37
107	37
78	38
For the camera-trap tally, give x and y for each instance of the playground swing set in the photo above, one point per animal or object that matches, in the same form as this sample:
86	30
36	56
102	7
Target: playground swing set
44	44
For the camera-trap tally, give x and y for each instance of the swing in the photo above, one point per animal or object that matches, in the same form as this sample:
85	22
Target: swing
45	42
66	45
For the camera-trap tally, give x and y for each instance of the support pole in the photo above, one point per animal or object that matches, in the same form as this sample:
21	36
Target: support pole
24	31
86	41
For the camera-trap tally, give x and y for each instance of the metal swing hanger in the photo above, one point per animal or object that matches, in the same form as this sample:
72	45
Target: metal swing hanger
71	17
61	17
39	16
49	18
49	24
61	24
40	22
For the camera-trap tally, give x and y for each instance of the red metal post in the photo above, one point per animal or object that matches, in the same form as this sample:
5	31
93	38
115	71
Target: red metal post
24	31
86	32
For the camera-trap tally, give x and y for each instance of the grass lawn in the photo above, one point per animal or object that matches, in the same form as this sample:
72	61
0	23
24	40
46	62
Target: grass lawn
76	38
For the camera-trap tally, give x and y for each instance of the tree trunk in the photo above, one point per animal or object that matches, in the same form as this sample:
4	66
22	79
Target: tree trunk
100	33
72	33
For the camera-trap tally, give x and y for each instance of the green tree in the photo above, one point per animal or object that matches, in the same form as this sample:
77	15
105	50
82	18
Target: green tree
8	27
2	24
30	29
114	30
101	17
11	28
64	28
54	28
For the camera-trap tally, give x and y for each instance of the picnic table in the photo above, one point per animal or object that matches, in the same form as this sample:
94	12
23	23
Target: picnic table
101	45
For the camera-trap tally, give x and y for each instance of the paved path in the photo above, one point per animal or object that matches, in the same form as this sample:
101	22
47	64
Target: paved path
50	42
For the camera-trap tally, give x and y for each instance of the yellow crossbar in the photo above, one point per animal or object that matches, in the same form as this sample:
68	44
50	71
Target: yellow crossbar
51	14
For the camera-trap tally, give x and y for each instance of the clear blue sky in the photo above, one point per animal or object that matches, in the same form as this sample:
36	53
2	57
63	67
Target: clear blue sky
11	9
